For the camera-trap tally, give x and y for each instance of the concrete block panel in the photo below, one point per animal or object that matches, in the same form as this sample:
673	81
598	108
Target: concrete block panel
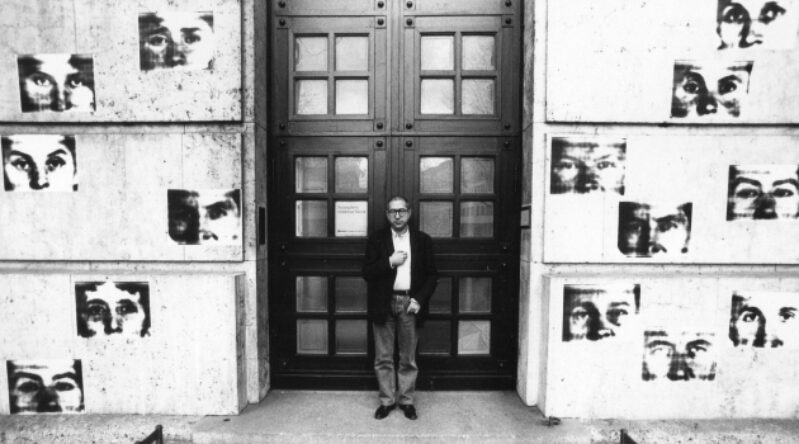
719	199
645	52
671	355
119	209
189	360
196	75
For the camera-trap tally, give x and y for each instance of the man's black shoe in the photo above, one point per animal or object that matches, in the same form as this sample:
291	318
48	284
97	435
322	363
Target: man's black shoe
384	410
410	411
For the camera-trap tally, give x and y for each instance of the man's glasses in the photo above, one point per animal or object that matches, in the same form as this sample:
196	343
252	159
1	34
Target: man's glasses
398	212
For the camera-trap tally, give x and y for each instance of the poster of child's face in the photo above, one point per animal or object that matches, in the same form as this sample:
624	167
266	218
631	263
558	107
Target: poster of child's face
764	319
709	89
678	356
205	216
586	166
763	192
654	230
183	40
596	312
39	162
47	386
757	24
113	308
56	82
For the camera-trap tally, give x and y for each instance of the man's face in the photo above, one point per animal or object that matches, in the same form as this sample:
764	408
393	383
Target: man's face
709	89
763	192
110	310
176	40
220	221
646	230
398	214
765	320
49	386
588	169
56	82
763	24
38	163
596	313
678	357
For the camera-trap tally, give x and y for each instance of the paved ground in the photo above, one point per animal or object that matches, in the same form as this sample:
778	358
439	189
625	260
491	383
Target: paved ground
345	417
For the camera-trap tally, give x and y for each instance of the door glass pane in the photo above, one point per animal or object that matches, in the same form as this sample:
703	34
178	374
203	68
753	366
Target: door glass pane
310	54
311	218
438	96
436	174
310	174
350	295
352	53
441	301
474	337
474	295
311	96
352	97
351	337
478	52
352	174
478	96
351	218
435	338
435	218
477	175
311	337
311	294
438	53
477	219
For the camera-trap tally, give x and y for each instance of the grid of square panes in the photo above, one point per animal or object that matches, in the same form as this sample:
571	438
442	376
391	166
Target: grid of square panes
470	316
458	74
313	187
462	182
317	311
331	74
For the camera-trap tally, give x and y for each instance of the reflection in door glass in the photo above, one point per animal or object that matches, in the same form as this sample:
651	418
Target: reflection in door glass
438	96
435	218
475	295
474	337
311	294
311	218
310	54
310	174
436	174
310	96
351	337
477	175
350	295
352	174
438	53
311	337
477	219
352	53
478	53
477	96
352	97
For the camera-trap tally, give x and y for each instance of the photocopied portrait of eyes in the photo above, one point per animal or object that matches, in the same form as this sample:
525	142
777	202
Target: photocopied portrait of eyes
45	386
199	217
679	356
596	312
56	82
39	162
757	24
710	89
585	166
763	192
648	230
764	319
170	39
113	308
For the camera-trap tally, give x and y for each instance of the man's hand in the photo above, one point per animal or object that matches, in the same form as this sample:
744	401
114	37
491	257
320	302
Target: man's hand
414	307
398	258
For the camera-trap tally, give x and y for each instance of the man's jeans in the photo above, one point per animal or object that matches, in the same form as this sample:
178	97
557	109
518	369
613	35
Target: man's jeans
403	325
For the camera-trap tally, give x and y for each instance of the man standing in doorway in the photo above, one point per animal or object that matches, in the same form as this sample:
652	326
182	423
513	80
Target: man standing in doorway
401	274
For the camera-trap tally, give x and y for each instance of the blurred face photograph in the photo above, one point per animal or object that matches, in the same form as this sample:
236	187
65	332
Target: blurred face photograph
758	24
582	166
654	230
592	312
763	192
113	308
678	356
39	163
199	217
52	386
56	82
182	40
764	319
707	90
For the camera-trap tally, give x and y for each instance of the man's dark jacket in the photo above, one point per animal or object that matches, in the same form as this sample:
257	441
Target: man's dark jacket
380	276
